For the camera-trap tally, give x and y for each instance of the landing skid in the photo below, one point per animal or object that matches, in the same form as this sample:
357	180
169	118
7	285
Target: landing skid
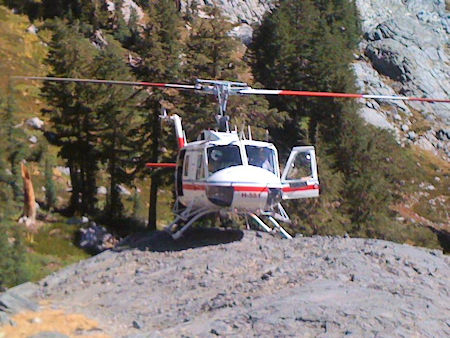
189	215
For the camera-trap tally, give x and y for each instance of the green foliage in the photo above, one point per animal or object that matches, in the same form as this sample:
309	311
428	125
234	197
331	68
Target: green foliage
324	215
94	124
74	118
15	140
28	7
12	252
53	247
123	31
308	45
137	204
93	14
4	175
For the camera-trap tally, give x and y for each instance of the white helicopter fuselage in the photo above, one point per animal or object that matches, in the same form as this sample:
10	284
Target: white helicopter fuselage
222	171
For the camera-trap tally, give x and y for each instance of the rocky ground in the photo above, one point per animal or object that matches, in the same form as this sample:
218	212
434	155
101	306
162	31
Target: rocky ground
246	283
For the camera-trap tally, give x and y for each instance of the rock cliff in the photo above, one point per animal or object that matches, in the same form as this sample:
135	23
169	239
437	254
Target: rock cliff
405	51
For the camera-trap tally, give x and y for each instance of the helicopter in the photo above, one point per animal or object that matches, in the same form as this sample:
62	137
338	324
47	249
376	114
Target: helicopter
224	171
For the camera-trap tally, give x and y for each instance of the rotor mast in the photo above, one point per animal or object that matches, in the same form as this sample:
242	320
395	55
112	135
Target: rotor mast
222	90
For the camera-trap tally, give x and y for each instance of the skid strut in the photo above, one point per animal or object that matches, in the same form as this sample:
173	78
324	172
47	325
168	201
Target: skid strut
188	217
266	228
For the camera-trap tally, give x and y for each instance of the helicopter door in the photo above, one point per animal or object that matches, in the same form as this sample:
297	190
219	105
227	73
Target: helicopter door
300	178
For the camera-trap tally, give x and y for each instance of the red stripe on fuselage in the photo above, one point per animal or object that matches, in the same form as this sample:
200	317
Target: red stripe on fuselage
236	188
194	187
250	189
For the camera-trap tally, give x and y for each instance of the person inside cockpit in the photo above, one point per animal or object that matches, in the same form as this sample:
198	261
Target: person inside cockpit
259	157
221	157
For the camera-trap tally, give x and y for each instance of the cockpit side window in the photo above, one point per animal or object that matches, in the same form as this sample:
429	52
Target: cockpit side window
186	166
200	174
221	157
262	157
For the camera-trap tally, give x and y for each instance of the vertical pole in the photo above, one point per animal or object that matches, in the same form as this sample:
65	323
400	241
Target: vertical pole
156	135
152	214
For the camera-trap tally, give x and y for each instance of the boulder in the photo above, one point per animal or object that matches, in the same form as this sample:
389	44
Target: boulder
18	299
35	123
97	239
102	190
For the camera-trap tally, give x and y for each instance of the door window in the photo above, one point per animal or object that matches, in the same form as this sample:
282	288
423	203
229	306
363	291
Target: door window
301	168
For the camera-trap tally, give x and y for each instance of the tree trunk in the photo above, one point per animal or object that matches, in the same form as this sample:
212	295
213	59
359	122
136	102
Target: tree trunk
74	205
114	198
29	207
156	134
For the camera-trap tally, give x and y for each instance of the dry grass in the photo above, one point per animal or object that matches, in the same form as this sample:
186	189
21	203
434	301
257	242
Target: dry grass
49	320
21	53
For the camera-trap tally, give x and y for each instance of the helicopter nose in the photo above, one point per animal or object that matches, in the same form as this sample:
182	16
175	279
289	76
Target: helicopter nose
220	195
245	187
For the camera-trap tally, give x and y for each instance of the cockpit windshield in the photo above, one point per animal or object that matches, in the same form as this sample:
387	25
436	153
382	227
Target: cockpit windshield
262	157
221	157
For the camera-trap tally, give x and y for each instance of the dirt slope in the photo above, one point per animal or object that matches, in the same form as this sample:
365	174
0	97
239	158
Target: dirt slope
216	282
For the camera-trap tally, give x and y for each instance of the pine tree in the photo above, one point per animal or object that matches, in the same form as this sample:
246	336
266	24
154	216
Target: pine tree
118	114
15	143
90	14
74	119
209	55
159	47
5	176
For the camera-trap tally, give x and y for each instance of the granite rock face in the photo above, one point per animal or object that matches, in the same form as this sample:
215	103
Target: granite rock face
405	52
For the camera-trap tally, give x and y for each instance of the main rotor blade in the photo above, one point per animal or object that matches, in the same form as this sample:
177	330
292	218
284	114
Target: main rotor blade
126	83
331	94
232	89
